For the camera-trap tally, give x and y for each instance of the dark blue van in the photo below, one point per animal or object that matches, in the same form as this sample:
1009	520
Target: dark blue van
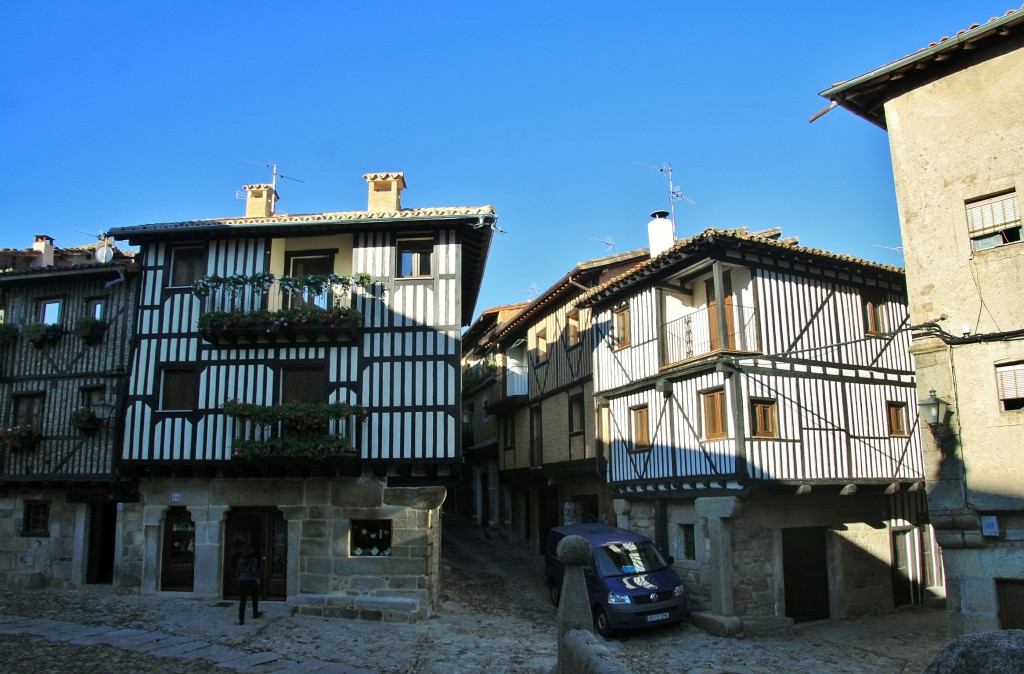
631	585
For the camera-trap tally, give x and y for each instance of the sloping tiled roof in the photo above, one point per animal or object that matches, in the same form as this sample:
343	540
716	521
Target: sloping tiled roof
649	266
865	95
311	218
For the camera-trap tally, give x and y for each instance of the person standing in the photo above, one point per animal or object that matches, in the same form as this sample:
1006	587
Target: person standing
248	571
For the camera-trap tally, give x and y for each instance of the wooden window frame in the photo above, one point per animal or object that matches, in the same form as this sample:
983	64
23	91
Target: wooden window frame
714	414
20	416
96	307
764	418
621	327
874	313
41	306
640	428
168	392
312	371
1010	386
419	248
572	327
542	344
196	266
896	419
299	299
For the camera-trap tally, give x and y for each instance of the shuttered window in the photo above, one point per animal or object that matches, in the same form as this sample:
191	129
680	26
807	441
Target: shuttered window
897	414
178	391
715	424
1010	386
994	221
641	432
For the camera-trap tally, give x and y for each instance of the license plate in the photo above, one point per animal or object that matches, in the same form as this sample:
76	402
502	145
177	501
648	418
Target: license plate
657	616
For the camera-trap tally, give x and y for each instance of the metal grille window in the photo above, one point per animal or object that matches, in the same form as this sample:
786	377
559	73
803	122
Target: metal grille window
37	519
994	221
688	541
1010	386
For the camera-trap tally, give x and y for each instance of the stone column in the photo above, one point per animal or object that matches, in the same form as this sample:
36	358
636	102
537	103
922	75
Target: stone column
574	605
493	493
78	545
152	526
718	511
209	521
621	507
478	495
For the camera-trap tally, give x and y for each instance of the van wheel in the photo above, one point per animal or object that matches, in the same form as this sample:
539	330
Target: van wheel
556	593
601	622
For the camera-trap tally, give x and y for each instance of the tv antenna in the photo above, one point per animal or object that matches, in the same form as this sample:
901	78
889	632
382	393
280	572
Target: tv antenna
531	292
675	193
273	167
608	242
895	249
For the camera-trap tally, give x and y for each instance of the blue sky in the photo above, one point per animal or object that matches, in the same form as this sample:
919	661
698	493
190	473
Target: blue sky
117	114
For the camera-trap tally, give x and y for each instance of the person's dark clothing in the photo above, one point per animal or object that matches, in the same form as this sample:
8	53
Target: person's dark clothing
248	585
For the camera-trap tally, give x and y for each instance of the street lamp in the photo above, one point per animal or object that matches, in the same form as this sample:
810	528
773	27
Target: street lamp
933	411
104	410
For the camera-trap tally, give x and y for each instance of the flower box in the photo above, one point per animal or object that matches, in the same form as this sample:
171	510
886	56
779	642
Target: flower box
20	438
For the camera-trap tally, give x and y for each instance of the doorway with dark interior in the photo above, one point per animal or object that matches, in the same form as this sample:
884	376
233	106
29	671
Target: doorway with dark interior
266	530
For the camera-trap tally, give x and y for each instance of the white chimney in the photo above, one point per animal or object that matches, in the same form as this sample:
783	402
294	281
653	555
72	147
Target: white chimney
44	246
661	233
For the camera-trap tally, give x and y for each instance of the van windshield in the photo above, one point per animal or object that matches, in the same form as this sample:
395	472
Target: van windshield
628	559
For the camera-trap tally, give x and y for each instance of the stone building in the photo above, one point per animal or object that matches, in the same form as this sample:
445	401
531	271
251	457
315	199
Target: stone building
956	133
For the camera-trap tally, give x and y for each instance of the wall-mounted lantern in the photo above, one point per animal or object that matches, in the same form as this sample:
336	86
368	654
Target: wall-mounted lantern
933	410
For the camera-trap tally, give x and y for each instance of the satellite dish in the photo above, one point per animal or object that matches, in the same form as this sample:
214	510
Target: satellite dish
104	254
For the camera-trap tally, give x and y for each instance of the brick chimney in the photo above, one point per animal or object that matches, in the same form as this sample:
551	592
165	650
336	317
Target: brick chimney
44	246
385	192
260	200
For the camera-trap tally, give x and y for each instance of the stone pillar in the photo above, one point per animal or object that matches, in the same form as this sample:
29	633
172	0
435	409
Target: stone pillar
209	569
78	544
493	493
621	507
574	605
718	511
478	495
152	526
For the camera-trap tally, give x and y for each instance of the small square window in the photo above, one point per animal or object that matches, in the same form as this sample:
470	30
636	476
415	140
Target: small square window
897	413
188	265
1010	386
641	429
96	308
620	326
28	410
763	419
994	221
178	392
49	311
715	423
37	519
415	258
370	538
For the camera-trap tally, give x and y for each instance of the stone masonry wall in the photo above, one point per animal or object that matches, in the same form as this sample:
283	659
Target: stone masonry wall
36	560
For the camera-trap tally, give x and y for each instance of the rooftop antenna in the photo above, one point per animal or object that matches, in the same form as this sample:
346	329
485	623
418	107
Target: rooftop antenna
531	292
273	167
895	249
607	241
675	193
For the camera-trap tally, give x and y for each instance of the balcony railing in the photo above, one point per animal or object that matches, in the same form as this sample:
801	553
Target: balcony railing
697	334
516	381
295	430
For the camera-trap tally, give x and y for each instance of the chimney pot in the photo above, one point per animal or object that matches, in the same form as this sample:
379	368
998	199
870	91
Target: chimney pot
661	233
44	246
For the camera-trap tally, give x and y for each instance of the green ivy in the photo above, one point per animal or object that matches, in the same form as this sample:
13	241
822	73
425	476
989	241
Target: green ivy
8	334
308	447
304	429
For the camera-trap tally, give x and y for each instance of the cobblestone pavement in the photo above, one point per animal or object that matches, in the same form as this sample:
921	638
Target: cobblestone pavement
494	617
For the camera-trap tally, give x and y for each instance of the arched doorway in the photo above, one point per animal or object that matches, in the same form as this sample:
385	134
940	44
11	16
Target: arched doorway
266	530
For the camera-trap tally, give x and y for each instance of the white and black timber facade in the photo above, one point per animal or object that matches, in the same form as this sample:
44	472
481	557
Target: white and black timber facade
65	336
763	425
357	524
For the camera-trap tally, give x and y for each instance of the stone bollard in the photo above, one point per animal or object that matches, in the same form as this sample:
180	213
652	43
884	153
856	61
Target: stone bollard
574	605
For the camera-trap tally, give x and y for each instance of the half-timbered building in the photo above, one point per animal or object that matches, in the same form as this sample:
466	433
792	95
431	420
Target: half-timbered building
551	458
295	388
763	426
65	334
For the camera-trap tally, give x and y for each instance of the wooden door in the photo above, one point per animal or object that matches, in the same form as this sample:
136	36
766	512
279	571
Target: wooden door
906	568
805	573
99	564
730	320
1010	598
267	532
177	569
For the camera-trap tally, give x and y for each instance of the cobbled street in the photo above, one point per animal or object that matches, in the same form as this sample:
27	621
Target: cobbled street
495	616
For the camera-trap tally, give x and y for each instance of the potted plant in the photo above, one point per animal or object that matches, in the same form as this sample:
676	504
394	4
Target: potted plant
85	420
20	438
90	329
8	334
39	334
